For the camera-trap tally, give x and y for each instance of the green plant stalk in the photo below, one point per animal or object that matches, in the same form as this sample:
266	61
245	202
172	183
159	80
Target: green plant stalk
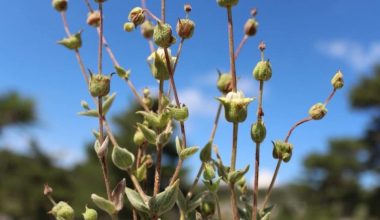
157	173
257	153
241	44
178	54
217	205
195	182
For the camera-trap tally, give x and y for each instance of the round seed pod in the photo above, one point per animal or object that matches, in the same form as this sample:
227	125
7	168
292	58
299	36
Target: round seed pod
224	83
147	29
258	132
185	28
59	5
129	26
136	16
337	81
250	27
99	85
318	111
162	35
227	3
94	19
262	71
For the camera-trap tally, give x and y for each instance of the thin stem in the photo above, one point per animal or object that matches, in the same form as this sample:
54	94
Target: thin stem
89	6
260	114
231	48
216	121
190	193
100	49
269	191
330	97
295	126
154	17
234	145
235	212
217	206
136	94
241	44
179	50
163	5
134	213
51	199
138	187
157	173
65	24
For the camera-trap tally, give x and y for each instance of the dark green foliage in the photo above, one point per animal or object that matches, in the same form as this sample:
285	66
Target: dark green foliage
15	109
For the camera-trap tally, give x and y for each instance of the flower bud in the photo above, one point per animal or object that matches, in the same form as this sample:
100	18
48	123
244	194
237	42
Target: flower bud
187	8
73	42
224	83
179	113
209	172
63	211
318	111
59	5
282	150
147	160
99	85
258	132
250	27
337	81
138	137
136	16
235	106
185	28
207	208
129	26
47	189
147	29
94	19
263	71
90	214
227	3
157	64
162	35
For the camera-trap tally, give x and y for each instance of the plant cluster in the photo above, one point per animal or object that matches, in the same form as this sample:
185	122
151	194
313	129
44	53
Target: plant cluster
157	127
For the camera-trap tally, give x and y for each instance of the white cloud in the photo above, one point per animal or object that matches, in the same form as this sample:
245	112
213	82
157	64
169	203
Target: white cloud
357	55
265	178
199	103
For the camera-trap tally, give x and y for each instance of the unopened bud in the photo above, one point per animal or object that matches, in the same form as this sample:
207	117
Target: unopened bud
318	111
258	132
162	35
136	15
129	26
73	42
179	113
282	150
262	71
47	189
235	106
187	8
209	172
254	12
250	27
207	208
59	5
94	19
157	64
62	211
138	137
147	29
99	85
262	46
337	81
224	83
185	28
227	3
90	214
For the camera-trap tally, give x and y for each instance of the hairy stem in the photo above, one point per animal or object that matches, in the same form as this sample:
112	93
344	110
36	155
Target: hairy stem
234	145
231	48
241	44
157	172
235	212
217	205
195	182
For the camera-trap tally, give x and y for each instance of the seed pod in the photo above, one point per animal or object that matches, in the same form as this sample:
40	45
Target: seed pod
185	28
224	83
73	42
207	208
94	19
179	114
157	64
235	106
318	111
227	3
138	137
147	29
136	16
90	214
337	81
62	211
187	8
129	26
282	150
263	71
162	35
258	132
59	5
99	85
209	172
250	27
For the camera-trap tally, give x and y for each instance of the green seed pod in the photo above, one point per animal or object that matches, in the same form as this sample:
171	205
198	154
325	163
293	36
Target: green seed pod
99	85
157	64
162	35
59	5
94	19
138	137
122	158
179	114
63	211
235	106
337	81
282	150
209	172
318	111
136	16
73	42
141	172
207	208
224	83
258	132
148	102
263	71
227	3
129	26
147	29
185	28
90	214
250	27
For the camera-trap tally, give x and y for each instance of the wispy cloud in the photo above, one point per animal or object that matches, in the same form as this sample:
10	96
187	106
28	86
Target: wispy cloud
199	104
265	178
359	56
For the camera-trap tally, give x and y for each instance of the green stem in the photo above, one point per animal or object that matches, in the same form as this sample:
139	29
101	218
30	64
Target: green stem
217	205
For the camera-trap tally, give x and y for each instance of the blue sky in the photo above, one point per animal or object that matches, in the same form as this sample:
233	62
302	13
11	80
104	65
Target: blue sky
307	42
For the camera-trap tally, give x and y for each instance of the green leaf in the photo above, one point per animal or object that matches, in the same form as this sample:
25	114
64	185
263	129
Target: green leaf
188	152
136	201
104	204
122	73
90	113
122	158
181	201
149	134
165	200
108	103
264	214
205	154
178	145
195	202
214	185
